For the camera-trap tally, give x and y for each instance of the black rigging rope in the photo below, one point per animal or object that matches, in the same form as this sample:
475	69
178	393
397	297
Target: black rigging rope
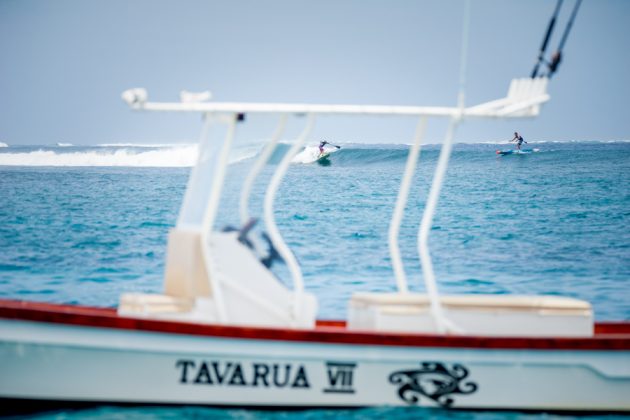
543	47
557	55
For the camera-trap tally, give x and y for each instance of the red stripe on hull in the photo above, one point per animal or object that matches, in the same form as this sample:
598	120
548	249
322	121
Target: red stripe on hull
608	336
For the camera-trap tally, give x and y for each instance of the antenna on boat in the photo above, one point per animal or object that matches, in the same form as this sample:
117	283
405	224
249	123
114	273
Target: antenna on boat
464	57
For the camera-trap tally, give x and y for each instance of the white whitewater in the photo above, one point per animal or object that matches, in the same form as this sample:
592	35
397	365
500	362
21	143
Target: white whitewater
103	156
310	154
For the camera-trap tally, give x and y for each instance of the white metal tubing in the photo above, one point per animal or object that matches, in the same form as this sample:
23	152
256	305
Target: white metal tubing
485	110
524	105
401	202
210	215
284	108
464	56
274	232
219	176
190	193
215	284
258	166
442	324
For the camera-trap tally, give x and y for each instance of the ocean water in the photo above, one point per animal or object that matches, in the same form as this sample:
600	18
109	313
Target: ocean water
83	224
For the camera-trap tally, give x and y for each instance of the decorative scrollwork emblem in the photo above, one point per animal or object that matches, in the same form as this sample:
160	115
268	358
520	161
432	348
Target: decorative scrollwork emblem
434	380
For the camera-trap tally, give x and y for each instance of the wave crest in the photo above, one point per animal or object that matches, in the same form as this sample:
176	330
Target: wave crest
310	154
166	157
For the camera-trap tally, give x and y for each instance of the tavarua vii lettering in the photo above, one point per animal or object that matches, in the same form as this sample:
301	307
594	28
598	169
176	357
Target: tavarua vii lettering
224	373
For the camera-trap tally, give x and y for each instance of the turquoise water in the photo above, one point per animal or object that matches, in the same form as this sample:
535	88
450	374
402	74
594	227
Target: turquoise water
386	413
552	222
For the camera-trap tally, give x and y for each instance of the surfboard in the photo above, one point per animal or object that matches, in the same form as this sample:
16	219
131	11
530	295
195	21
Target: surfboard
323	156
516	152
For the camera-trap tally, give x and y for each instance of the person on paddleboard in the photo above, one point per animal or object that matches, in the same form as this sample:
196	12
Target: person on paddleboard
518	139
324	143
321	146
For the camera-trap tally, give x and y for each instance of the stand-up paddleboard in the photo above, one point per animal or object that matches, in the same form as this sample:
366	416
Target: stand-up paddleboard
323	156
323	159
516	152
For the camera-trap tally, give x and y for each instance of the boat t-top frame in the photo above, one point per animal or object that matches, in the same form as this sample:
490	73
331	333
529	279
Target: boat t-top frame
200	202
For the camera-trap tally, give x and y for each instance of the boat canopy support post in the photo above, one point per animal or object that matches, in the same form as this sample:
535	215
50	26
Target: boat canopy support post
211	212
401	202
258	166
213	202
190	271
195	196
219	174
274	232
443	324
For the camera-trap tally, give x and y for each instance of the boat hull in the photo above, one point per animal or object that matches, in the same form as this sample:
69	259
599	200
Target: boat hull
103	358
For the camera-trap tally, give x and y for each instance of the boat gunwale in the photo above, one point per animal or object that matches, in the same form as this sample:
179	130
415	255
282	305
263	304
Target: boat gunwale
608	336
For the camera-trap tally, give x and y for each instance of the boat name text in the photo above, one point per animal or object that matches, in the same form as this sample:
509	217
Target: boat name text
340	376
224	373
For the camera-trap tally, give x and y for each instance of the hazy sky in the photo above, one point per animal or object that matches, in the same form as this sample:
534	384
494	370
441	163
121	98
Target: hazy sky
64	64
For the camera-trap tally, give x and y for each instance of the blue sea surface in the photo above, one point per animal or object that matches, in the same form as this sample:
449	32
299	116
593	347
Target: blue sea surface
553	222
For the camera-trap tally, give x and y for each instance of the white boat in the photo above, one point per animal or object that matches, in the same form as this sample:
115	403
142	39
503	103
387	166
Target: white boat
68	355
227	332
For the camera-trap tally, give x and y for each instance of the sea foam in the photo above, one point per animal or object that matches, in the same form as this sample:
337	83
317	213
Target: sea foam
132	156
310	154
166	157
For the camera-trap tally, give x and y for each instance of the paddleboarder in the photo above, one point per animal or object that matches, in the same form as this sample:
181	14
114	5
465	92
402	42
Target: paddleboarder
324	143
518	139
321	146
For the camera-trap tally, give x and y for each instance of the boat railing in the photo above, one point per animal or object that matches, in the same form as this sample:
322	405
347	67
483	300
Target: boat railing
270	220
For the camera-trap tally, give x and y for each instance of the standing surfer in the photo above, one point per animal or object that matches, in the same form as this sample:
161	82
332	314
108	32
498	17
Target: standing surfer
324	143
321	146
518	139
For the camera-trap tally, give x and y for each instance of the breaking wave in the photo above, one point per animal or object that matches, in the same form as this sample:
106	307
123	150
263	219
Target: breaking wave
310	154
146	145
130	155
185	155
166	157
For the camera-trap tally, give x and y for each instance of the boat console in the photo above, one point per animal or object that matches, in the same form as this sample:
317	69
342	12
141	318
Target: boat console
247	293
